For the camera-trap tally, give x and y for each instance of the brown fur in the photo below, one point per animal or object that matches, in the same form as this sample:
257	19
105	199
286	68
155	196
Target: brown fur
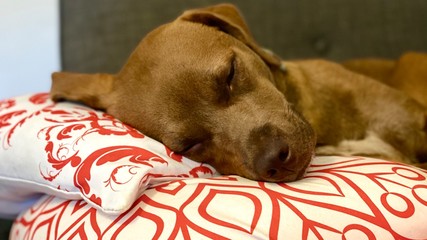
408	73
203	87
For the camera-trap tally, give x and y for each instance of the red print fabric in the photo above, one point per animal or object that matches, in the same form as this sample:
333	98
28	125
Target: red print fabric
340	198
74	152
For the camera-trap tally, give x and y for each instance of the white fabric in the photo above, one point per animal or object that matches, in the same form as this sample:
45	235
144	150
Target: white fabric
340	198
74	152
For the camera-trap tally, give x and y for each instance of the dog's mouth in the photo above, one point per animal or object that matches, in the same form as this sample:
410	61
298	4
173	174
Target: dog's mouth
267	158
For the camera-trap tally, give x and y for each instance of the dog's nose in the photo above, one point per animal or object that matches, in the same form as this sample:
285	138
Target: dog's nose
273	163
273	160
273	166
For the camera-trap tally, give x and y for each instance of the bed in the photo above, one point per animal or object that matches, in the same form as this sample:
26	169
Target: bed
70	172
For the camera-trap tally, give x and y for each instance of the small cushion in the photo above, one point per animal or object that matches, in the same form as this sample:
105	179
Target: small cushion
74	152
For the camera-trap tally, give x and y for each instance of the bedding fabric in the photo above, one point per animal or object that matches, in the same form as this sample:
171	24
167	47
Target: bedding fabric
74	152
340	198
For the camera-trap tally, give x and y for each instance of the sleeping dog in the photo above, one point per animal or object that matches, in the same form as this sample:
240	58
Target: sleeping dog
203	87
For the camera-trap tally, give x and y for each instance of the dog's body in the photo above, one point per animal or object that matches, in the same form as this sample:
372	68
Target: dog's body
355	115
203	87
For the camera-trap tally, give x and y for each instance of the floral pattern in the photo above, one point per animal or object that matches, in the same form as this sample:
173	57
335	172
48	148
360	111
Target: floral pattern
75	149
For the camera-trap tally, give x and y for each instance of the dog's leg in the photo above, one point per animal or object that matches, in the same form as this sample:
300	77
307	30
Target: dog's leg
376	68
371	146
407	74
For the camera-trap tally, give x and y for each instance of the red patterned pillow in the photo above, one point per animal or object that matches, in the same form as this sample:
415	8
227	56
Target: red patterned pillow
74	152
339	198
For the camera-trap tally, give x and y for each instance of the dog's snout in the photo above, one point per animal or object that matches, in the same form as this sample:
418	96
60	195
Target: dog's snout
273	156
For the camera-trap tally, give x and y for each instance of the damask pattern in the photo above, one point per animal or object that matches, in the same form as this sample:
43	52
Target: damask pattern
340	198
76	152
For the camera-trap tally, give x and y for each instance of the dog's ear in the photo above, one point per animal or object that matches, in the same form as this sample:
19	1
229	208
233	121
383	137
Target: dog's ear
93	90
227	18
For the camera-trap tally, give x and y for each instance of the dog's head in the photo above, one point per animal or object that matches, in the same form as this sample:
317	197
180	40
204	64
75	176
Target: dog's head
203	87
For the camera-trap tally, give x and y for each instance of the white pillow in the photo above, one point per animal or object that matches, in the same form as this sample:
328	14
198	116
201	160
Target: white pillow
74	152
339	198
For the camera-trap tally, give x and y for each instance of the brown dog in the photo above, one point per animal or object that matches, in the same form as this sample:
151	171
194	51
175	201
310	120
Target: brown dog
203	87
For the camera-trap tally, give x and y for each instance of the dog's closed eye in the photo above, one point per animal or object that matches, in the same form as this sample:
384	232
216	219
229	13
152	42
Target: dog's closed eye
191	148
226	82
230	77
191	141
234	81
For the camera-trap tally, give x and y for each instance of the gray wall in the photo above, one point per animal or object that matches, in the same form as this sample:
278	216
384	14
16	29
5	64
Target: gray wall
99	35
